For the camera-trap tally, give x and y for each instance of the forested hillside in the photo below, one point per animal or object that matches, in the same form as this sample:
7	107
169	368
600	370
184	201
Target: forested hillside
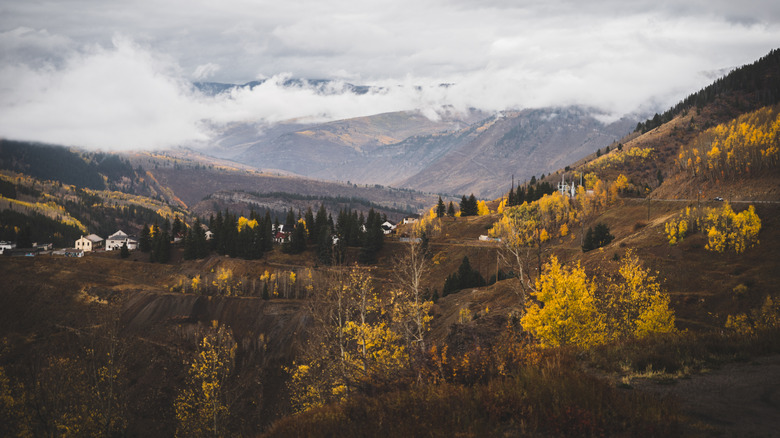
589	309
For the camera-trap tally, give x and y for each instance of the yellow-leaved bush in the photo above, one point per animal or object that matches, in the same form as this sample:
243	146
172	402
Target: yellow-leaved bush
574	309
767	317
725	229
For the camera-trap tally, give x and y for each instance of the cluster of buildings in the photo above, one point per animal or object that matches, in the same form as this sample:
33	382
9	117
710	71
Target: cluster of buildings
93	242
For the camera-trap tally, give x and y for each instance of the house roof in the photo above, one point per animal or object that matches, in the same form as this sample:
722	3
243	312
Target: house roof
119	235
94	238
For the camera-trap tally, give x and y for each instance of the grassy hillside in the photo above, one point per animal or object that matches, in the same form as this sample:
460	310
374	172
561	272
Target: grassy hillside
105	345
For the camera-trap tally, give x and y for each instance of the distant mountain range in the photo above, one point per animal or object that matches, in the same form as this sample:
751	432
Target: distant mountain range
457	154
323	86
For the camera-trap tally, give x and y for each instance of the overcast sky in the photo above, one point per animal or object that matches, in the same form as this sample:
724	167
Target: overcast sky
116	74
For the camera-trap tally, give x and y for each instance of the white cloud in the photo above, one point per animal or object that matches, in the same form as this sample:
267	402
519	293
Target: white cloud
64	80
206	71
118	98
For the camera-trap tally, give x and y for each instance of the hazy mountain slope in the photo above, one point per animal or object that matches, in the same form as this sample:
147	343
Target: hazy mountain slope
317	150
522	144
457	154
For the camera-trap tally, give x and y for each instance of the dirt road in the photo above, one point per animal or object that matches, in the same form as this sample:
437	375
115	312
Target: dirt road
737	400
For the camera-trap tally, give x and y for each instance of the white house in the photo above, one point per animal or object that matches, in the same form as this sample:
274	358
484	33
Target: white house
411	219
388	227
6	245
89	243
116	240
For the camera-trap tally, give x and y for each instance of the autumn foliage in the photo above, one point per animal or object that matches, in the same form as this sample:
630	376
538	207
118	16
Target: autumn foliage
726	230
574	309
740	147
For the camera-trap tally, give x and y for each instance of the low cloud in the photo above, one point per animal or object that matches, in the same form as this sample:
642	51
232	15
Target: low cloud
74	85
206	71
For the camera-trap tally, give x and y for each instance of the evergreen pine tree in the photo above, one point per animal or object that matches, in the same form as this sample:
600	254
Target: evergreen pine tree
601	235
178	227
440	209
312	230
124	252
373	238
451	210
145	241
199	240
325	246
289	222
473	208
189	245
587	243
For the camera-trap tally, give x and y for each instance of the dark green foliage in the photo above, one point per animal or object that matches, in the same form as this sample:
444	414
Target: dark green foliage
7	189
41	229
587	242
178	228
50	163
289	222
597	237
104	219
451	210
348	228
161	246
501	276
249	243
465	277
373	238
325	246
113	166
297	242
195	244
340	202
532	191
124	252
309	219
145	241
440	209
468	206
24	238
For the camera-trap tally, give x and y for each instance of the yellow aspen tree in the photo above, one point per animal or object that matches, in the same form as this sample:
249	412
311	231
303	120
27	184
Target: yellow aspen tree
567	314
517	230
352	346
633	305
482	208
201	407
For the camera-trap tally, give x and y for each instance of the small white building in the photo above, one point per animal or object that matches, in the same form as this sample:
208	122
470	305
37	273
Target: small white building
116	240
388	227
6	245
89	243
411	219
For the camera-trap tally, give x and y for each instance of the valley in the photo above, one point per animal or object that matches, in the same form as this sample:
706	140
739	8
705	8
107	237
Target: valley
265	303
